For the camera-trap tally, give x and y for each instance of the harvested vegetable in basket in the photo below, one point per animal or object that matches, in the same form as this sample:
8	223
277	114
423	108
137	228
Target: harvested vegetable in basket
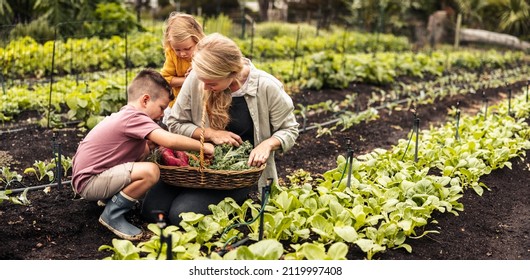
227	157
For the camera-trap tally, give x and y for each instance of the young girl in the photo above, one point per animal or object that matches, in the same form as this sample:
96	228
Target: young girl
181	35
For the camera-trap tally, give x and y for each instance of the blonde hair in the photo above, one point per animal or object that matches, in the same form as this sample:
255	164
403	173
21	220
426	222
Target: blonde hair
217	57
179	27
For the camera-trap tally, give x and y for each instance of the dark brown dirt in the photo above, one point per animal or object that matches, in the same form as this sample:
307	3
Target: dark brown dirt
495	226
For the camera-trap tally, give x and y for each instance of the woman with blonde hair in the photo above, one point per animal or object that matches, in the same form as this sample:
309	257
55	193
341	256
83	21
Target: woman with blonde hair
242	103
182	32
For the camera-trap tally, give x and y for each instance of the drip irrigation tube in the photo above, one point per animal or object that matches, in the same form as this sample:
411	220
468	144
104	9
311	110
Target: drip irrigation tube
330	122
304	129
32	126
39	187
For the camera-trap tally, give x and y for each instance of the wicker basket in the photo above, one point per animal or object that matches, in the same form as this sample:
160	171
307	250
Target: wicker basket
205	178
194	177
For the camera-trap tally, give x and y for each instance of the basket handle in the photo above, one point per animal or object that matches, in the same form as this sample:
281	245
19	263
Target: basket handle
201	153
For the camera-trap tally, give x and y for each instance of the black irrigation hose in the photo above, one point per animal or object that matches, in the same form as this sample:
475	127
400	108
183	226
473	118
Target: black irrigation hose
38	187
304	129
32	126
265	196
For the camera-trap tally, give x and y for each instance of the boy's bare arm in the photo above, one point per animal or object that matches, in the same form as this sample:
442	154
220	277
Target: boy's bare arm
178	142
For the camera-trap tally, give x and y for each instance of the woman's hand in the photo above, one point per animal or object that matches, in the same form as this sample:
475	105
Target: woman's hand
220	137
260	154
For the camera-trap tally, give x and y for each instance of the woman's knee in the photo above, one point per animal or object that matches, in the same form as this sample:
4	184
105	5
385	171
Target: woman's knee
158	200
187	202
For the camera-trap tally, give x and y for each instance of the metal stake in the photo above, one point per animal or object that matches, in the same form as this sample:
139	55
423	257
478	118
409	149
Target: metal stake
510	101
527	86
350	162
264	193
485	104
457	135
57	150
416	128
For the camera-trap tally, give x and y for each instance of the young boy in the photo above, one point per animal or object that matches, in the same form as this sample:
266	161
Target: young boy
108	163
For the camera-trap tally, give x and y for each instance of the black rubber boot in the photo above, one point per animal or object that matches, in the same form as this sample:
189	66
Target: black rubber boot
113	217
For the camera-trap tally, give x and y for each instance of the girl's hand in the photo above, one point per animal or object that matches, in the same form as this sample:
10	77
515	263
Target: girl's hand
187	72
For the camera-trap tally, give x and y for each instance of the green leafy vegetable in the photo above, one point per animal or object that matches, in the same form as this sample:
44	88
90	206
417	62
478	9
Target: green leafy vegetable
228	157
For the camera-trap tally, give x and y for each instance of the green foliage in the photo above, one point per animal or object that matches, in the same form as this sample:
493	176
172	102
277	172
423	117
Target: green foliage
42	169
268	249
66	164
112	19
122	250
22	199
8	176
220	24
39	29
272	30
317	251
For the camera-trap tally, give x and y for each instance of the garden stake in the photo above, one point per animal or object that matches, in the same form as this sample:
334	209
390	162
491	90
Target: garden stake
72	62
457	136
350	162
295	51
485	104
527	85
4	85
410	138
51	76
57	151
250	56
509	101
416	128
343	64
161	223
264	197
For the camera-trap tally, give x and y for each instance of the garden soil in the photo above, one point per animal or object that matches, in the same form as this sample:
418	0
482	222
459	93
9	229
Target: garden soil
60	226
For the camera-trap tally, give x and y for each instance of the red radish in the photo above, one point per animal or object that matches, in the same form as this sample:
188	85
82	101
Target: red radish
173	158
183	156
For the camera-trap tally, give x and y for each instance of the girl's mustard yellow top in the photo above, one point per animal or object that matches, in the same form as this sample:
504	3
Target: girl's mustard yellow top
174	66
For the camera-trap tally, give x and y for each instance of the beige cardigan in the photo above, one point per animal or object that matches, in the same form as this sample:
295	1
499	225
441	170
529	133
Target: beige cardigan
270	107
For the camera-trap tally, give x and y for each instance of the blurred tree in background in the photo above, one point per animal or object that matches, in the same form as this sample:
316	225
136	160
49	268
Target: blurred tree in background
37	17
400	17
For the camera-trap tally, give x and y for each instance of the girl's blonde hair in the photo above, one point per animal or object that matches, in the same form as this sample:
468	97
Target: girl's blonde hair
179	27
217	57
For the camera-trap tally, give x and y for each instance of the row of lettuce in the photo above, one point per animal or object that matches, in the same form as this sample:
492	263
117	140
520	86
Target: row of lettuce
374	202
91	95
25	57
318	62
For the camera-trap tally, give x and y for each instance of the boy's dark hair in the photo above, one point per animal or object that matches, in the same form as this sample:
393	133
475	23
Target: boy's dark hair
150	81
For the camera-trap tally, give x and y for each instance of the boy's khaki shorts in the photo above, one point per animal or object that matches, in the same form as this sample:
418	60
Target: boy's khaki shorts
108	183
